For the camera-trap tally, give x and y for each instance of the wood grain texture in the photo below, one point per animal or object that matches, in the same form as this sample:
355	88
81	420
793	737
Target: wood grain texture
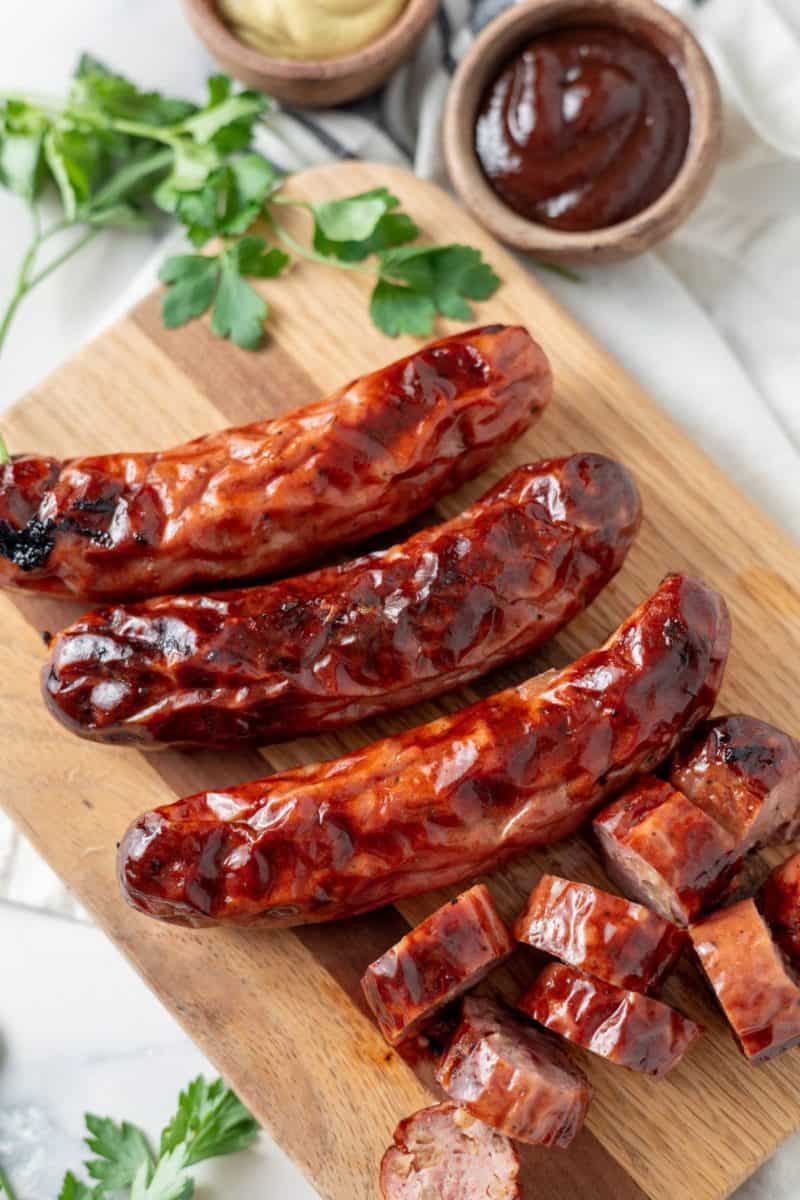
280	1014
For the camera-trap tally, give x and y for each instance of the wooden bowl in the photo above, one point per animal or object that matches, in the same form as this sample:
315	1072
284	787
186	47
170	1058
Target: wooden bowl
649	22
306	83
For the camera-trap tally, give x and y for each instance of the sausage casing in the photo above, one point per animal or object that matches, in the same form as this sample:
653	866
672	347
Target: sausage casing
442	802
264	498
780	901
514	1077
612	938
446	955
347	642
751	979
745	774
624	1027
665	851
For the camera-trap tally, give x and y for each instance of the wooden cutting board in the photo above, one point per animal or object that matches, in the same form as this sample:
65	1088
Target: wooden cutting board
280	1014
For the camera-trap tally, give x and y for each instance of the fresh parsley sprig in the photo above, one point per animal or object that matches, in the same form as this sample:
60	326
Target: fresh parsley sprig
114	156
210	1121
119	157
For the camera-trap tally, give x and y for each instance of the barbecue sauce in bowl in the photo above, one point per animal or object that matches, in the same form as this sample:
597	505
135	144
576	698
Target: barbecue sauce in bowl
584	128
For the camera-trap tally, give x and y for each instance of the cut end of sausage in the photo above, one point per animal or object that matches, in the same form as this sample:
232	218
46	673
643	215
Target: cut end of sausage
444	1153
781	904
665	852
752	980
615	939
446	955
514	1077
624	1027
745	774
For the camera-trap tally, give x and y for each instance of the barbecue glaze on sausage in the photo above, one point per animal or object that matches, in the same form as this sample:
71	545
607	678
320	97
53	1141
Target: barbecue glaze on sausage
665	852
444	1153
612	938
442	802
443	957
745	774
780	902
267	497
751	978
624	1027
514	1077
348	642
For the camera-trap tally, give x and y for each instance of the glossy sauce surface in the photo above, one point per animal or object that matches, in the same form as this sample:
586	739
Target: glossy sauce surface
665	851
323	650
781	904
745	774
448	953
614	939
446	800
583	129
752	981
625	1027
263	498
514	1077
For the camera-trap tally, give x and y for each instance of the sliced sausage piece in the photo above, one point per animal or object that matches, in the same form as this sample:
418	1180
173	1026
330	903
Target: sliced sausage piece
627	1028
781	905
442	802
514	1077
612	938
746	775
450	952
665	851
751	978
348	642
264	498
444	1153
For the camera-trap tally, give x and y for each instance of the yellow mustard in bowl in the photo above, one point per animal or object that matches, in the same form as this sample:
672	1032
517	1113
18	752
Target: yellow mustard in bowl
310	29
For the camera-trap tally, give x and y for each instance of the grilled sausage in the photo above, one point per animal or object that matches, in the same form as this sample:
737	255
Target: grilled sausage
612	938
781	906
443	1153
442	802
450	952
746	775
665	851
514	1077
270	496
752	981
348	642
625	1027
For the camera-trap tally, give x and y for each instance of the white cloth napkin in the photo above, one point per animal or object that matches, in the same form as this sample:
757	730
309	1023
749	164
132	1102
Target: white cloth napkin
708	323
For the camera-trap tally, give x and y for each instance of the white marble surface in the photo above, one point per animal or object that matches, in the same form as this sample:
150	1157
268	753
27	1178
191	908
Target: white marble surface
79	1031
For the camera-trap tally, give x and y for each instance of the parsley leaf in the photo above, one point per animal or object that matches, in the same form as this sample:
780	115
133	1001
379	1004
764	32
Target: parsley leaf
196	281
73	1189
122	1150
396	309
168	1181
210	1121
119	157
355	227
239	312
417	282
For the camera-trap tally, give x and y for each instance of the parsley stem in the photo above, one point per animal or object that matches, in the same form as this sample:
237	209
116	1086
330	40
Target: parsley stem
26	281
5	1186
62	258
154	133
302	251
23	277
5	457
